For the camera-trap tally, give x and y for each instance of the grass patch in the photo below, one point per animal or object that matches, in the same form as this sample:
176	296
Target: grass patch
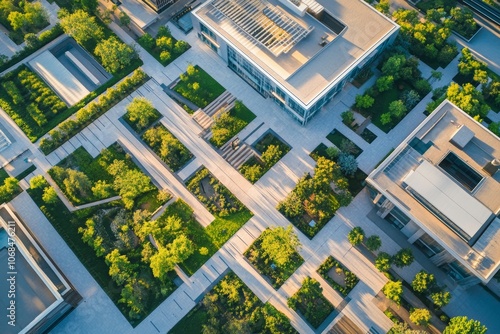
198	86
231	307
344	280
339	140
223	228
319	151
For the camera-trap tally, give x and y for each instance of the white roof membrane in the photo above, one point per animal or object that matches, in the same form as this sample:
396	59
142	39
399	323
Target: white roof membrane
450	199
65	84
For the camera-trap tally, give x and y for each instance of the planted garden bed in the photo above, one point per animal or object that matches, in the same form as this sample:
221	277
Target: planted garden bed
230	213
231	307
338	276
272	150
311	303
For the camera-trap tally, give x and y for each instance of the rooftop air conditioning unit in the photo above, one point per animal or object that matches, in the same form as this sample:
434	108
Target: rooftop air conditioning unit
492	167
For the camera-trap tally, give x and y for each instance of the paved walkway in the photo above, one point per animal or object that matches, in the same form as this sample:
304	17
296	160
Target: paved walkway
99	312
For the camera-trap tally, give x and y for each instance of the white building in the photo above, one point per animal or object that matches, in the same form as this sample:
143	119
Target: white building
441	188
299	53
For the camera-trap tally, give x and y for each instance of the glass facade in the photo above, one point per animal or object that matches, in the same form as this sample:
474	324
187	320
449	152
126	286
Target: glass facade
208	37
428	246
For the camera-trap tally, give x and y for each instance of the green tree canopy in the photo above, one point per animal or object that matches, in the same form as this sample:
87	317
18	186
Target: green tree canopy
81	26
141	112
279	244
463	325
115	55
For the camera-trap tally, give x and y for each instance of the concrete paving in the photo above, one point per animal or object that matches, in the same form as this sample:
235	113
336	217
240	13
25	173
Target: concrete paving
97	310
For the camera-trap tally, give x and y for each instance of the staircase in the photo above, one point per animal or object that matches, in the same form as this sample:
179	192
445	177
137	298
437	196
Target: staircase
236	157
203	119
224	101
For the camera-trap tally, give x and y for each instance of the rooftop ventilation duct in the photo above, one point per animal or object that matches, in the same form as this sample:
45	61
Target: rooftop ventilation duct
462	136
492	167
296	6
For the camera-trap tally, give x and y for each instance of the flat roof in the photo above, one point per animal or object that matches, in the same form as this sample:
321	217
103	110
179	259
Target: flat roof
318	59
448	198
39	286
420	154
64	83
139	12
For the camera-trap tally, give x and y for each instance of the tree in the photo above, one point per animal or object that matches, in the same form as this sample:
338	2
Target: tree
403	258
89	6
181	248
76	184
49	195
120	268
124	19
402	328
271	155
423	281
129	183
38	181
364	101
437	75
348	164
397	109
386	118
101	189
384	83
373	243
463	325
161	263
134	295
383	6
81	26
115	55
441	298
279	244
291	206
420	316
141	112
393	291
147	40
410	99
467	98
393	66
251	172
31	40
356	236
383	262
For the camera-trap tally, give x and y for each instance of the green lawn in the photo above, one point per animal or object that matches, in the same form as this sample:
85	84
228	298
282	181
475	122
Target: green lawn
243	113
337	138
192	323
223	228
209	89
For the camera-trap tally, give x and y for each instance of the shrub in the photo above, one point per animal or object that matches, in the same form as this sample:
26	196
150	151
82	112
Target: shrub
403	258
394	291
383	262
348	164
347	117
373	243
38	181
420	316
423	281
364	101
356	236
332	152
441	298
